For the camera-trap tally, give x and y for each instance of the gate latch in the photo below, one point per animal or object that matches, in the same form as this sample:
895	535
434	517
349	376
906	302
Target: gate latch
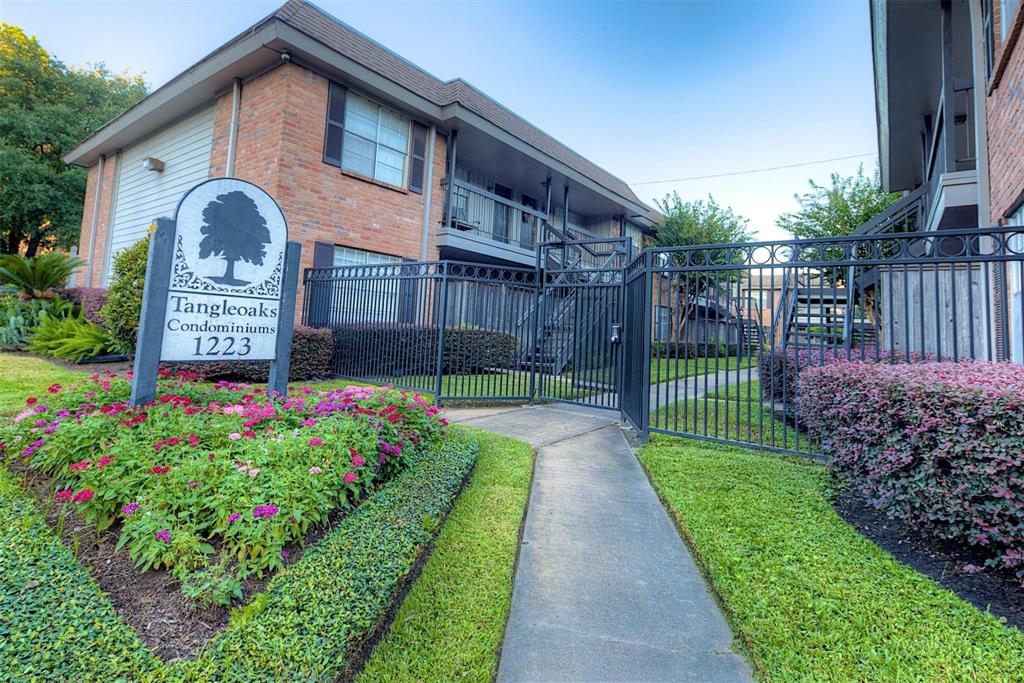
616	333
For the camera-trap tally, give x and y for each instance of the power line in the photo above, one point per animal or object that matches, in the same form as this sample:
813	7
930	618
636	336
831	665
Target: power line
755	170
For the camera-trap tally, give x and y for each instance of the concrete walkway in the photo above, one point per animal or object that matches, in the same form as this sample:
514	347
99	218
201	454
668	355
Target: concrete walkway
605	589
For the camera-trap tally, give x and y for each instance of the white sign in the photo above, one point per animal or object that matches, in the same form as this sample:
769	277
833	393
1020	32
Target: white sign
227	263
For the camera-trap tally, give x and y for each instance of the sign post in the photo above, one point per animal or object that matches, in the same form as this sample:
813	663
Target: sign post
220	285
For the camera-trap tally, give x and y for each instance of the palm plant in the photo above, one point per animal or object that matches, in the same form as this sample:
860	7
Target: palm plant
36	277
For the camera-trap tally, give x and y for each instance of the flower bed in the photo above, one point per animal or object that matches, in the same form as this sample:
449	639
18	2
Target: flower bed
213	482
938	445
308	624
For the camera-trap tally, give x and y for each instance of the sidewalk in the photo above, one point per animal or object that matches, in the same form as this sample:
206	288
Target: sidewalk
605	589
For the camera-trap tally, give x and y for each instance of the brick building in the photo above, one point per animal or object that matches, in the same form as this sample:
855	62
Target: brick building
372	159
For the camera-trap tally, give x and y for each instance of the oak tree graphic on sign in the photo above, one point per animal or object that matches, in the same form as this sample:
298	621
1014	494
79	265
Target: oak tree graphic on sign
233	228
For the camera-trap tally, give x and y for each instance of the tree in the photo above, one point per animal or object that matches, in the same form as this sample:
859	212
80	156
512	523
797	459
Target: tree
838	210
697	223
46	108
234	229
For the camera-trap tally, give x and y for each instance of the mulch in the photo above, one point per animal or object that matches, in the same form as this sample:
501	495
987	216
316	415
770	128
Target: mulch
998	592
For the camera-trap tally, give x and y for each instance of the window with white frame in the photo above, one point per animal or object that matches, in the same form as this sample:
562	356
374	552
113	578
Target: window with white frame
662	323
376	141
369	296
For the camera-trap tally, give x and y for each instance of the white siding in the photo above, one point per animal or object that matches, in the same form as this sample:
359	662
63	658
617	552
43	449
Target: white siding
142	195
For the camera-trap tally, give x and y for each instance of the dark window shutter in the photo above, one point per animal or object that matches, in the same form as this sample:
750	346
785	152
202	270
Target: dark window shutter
335	124
323	255
419	155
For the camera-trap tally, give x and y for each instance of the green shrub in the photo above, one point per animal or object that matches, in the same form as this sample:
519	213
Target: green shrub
220	467
409	350
18	318
124	297
311	359
35	276
71	338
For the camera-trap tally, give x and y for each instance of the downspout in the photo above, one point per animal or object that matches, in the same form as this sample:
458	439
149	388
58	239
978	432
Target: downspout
429	191
236	101
453	148
97	194
980	115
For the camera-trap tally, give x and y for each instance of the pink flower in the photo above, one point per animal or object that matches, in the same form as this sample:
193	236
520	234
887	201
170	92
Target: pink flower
350	477
357	460
235	436
84	495
314	470
104	461
309	422
79	466
233	517
261	511
64	495
194	484
128	509
163	535
316	441
254	471
31	400
284	554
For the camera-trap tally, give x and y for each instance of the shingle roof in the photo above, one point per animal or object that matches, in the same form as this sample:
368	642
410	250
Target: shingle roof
319	25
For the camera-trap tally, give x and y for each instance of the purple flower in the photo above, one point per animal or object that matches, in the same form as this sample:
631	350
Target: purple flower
261	511
163	535
314	470
194	484
128	509
284	554
233	517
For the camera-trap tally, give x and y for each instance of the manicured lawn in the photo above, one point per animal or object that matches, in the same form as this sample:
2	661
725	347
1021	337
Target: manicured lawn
809	597
451	623
27	376
665	369
727	414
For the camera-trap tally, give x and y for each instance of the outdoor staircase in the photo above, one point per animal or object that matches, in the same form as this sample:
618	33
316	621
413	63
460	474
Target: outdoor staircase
563	321
817	315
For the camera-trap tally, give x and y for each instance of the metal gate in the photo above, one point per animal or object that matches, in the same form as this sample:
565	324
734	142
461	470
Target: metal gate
577	356
705	342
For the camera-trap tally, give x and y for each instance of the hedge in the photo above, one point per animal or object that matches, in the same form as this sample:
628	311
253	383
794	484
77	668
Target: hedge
311	359
939	446
309	623
692	350
406	350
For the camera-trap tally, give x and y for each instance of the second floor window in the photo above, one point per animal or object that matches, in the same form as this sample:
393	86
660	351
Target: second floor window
376	141
366	138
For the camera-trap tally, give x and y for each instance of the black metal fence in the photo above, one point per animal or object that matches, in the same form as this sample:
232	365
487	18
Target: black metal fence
730	327
704	342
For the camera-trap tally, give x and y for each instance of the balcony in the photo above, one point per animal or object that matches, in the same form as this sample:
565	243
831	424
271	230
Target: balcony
482	223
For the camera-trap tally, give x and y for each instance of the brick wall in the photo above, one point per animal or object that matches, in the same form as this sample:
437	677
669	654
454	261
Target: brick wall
1005	111
86	237
280	147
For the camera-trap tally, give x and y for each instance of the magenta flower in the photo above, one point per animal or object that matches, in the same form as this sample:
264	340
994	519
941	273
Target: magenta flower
284	554
308	422
64	495
84	495
357	460
233	517
316	441
128	509
235	436
194	484
350	477
261	511
163	535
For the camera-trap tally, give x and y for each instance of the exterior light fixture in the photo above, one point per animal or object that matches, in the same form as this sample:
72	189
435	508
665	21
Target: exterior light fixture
152	164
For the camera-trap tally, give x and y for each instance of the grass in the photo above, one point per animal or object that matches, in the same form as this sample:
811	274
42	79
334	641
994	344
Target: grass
27	376
809	598
450	625
727	414
665	369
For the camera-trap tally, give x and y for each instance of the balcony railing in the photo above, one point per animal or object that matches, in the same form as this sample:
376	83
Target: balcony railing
475	210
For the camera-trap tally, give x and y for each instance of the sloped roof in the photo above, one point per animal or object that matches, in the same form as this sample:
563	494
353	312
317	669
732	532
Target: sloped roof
321	26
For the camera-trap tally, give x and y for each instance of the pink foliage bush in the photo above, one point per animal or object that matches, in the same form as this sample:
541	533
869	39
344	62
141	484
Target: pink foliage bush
938	445
89	300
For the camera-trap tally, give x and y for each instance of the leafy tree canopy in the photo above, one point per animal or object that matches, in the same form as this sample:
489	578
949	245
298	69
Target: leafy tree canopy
837	210
46	108
698	222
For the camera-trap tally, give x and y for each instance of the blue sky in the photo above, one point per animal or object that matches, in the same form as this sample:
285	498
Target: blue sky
649	90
